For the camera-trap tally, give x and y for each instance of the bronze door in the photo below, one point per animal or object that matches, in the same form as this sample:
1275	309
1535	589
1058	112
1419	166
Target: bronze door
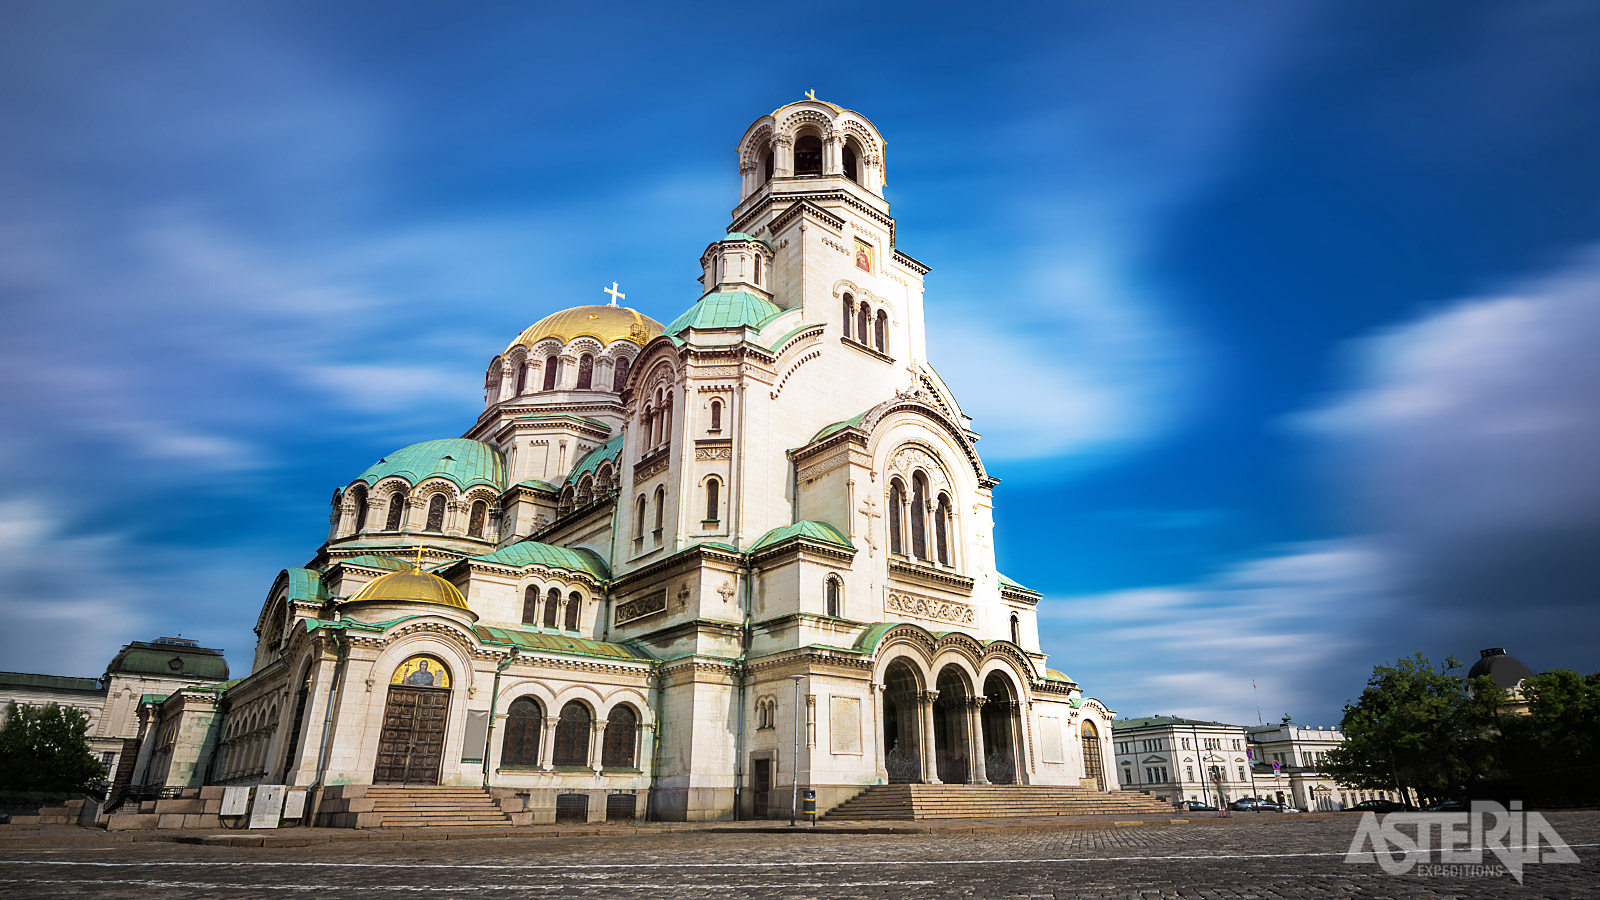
412	744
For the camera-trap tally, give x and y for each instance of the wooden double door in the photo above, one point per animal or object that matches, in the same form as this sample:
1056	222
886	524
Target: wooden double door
411	747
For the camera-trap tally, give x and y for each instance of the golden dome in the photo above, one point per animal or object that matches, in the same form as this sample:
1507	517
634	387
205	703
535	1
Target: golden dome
603	323
410	587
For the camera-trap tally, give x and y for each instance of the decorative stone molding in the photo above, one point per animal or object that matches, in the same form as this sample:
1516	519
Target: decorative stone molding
724	451
641	607
650	466
901	603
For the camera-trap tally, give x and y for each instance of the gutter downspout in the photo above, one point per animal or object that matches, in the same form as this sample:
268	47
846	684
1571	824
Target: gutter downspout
743	674
494	699
652	809
327	723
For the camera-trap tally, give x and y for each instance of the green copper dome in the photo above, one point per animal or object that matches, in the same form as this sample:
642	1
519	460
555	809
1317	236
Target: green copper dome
467	463
726	309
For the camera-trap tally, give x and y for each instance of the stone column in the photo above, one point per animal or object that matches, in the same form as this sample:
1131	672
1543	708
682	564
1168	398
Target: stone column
979	774
531	384
568	378
508	380
930	755
782	156
596	739
832	158
547	743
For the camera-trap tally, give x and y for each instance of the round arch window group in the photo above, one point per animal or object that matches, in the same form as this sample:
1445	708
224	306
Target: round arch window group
441	509
866	326
523	744
920	521
972	736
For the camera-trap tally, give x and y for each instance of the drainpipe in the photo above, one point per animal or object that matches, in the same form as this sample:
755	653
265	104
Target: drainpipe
653	810
742	672
327	722
494	700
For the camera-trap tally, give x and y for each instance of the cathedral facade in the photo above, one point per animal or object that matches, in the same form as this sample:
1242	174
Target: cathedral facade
675	570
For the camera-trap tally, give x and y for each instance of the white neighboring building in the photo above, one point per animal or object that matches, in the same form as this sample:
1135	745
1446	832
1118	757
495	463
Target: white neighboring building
1181	759
1297	781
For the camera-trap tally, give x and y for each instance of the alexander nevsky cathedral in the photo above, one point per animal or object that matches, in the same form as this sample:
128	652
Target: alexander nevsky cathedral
672	571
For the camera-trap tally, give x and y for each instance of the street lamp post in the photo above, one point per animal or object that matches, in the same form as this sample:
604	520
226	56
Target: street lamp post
794	763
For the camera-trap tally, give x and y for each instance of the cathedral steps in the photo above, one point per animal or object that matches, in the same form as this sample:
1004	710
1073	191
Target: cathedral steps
414	806
905	802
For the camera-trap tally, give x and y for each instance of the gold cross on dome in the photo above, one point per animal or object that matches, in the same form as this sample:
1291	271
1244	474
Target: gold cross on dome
615	294
811	94
418	565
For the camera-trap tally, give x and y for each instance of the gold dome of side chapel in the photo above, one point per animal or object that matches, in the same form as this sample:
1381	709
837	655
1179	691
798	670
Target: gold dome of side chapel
603	323
410	587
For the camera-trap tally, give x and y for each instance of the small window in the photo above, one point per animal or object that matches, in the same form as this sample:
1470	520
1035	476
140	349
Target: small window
808	155
863	322
530	605
397	508
522	378
897	502
550	373
1016	630
361	512
436	513
619	377
758	269
832	597
574	610
552	606
716	415
713	487
585	372
919	524
849	313
881	334
661	503
475	522
850	169
941	530
638	519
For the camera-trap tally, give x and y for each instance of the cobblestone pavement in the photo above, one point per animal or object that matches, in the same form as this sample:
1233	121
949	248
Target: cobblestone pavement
1243	857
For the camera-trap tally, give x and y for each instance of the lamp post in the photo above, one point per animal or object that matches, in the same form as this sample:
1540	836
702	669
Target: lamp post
794	764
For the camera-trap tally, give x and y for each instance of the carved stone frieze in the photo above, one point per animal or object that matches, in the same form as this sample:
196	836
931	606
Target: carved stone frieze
641	607
902	603
709	453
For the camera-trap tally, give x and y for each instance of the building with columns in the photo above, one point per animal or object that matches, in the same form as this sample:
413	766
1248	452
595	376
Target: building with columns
667	555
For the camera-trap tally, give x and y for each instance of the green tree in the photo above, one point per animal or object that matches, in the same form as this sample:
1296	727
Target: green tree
1414	727
1560	734
45	749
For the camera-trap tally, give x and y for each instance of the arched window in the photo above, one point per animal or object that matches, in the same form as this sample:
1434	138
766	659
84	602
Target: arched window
666	420
758	269
941	530
530	605
522	377
863	322
619	376
713	502
574	609
766	167
919	524
435	513
480	512
552	605
808	155
661	504
851	171
638	519
585	372
716	415
361	511
397	508
622	728
550	373
521	744
881	334
849	313
897	502
572	736
1016	630
831	592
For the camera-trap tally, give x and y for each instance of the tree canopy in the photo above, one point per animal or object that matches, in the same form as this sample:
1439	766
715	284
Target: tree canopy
45	749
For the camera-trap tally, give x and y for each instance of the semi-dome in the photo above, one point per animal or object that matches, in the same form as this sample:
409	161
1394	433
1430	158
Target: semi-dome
603	323
466	463
1507	671
411	586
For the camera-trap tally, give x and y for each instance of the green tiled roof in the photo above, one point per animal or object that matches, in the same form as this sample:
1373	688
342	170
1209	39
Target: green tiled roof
305	584
868	641
155	658
467	463
592	460
1148	721
556	643
725	309
836	427
538	485
373	561
27	680
1006	582
741	236
584	419
817	531
533	553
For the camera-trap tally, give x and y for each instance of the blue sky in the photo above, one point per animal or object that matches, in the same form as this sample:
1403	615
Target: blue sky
1278	319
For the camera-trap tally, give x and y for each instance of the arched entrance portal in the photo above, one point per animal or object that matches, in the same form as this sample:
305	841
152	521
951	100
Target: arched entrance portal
951	724
1093	768
901	731
1001	714
411	746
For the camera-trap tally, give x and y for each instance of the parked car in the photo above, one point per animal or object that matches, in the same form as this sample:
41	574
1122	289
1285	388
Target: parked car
1450	806
1244	804
1381	806
1195	806
1269	806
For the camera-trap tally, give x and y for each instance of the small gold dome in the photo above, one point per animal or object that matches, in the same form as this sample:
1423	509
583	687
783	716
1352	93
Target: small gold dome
410	587
603	323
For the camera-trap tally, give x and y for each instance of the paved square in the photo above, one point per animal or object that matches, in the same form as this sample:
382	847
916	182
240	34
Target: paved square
1250	856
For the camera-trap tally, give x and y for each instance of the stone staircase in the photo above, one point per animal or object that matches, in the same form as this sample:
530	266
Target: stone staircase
904	802
415	806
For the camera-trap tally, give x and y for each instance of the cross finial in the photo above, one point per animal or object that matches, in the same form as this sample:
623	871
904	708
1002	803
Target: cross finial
615	294
417	566
811	94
